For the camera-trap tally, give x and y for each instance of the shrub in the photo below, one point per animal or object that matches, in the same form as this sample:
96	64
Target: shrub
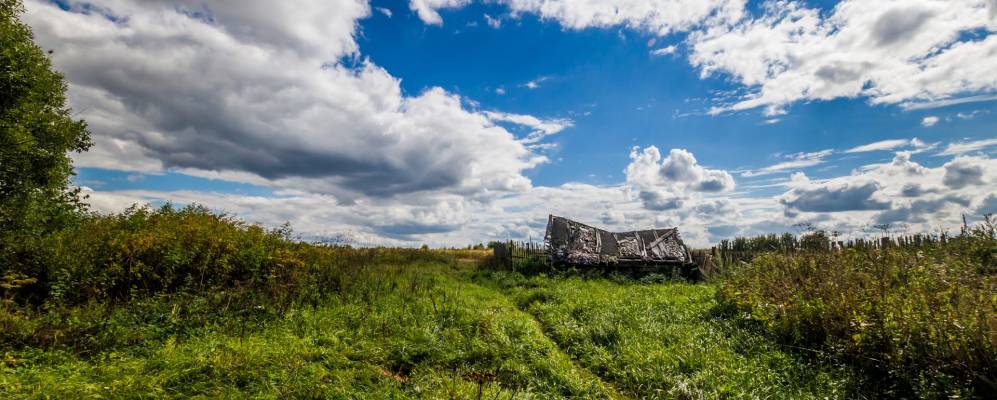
919	320
144	251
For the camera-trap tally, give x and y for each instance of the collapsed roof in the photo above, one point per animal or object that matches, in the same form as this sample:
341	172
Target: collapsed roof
572	242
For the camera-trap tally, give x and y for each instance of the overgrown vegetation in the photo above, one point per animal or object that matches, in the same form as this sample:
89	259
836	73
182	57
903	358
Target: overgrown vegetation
664	340
184	302
36	133
919	321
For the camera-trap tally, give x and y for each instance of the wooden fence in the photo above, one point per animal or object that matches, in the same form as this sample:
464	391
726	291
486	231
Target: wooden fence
517	254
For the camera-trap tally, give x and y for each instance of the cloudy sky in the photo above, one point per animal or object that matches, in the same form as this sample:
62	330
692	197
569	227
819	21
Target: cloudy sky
456	121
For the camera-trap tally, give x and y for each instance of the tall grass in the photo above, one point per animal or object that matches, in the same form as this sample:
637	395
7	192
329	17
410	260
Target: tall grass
143	251
61	289
918	321
185	303
664	340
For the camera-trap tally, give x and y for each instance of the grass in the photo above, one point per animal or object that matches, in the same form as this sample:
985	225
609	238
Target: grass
666	340
433	330
183	303
427	333
916	321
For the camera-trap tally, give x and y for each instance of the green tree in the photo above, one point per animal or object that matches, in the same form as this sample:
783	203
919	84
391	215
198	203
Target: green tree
37	131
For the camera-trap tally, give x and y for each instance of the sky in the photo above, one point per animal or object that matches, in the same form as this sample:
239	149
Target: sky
451	122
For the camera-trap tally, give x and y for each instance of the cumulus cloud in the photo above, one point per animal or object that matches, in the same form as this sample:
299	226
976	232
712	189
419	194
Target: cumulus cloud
660	17
914	53
962	172
666	183
833	196
987	206
279	96
891	52
918	209
916	190
256	93
929	121
902	190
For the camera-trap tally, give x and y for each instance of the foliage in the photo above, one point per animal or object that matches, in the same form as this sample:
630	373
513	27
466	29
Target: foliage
408	329
920	321
36	133
142	252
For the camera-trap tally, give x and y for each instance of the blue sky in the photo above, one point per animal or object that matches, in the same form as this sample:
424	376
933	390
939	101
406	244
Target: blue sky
453	121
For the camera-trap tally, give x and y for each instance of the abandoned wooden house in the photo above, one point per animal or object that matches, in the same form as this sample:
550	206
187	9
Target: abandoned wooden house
574	243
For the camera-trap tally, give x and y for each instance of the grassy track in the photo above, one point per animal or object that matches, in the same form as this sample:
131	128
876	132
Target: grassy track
665	340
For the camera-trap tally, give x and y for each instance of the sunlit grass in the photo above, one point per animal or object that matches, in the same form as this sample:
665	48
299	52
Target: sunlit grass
665	340
427	333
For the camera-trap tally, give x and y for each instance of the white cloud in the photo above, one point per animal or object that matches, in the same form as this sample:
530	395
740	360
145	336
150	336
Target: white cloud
667	183
384	10
660	17
499	91
929	121
892	52
664	51
880	145
971	114
913	53
795	162
891	144
967	147
257	94
426	9
900	191
962	172
254	93
947	102
541	128
833	196
536	82
494	22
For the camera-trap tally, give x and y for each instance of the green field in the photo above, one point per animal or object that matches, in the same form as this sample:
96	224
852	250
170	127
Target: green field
433	330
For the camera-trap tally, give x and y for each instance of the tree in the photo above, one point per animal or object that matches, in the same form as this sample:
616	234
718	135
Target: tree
37	133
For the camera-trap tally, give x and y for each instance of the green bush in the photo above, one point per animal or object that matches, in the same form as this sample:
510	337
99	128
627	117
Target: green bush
920	321
142	251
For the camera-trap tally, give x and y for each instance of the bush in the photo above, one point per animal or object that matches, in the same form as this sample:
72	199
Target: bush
142	251
920	320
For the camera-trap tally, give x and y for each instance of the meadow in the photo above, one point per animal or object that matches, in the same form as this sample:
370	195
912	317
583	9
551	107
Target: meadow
183	302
